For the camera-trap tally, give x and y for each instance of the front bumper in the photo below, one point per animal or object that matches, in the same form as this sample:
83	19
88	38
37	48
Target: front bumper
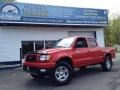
39	65
38	68
37	71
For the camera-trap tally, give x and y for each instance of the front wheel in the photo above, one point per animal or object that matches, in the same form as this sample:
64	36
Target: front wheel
107	64
62	73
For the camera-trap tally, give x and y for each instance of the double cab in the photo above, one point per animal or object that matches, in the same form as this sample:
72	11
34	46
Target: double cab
68	53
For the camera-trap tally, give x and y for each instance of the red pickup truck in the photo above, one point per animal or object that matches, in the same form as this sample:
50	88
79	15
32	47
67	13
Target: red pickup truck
68	53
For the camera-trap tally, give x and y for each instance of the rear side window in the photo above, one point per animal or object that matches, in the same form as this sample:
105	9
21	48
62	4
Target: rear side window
92	42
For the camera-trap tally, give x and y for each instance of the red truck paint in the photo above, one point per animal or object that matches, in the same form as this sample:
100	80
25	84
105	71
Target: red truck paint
78	57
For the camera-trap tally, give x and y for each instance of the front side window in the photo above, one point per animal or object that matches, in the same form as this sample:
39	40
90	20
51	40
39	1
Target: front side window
81	43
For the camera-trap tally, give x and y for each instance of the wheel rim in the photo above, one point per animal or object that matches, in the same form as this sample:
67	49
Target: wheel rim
61	73
108	63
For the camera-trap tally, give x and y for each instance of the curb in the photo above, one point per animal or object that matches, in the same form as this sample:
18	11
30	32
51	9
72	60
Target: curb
4	67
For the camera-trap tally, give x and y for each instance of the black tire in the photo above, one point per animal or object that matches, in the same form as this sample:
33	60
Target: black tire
36	76
57	75
107	64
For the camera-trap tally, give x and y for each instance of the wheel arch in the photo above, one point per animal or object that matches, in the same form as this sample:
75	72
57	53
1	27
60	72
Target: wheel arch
65	59
108	54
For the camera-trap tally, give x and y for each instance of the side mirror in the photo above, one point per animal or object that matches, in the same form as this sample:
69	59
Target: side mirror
74	47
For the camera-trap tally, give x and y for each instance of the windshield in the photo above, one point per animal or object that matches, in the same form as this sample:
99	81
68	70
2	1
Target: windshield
64	42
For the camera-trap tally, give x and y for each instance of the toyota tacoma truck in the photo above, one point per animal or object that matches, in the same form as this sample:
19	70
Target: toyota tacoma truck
68	53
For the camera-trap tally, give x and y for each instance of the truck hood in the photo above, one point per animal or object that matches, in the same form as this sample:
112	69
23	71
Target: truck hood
53	50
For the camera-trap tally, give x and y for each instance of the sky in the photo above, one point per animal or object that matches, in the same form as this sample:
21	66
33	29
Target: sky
112	5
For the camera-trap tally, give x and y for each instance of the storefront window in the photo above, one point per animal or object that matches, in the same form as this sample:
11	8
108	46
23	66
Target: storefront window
39	45
49	44
27	46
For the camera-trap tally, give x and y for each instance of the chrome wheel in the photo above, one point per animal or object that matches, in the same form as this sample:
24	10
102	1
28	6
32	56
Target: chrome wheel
61	73
108	63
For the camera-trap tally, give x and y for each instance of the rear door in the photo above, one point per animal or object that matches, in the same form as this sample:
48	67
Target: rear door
94	51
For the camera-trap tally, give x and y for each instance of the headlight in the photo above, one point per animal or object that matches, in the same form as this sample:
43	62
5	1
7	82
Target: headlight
44	57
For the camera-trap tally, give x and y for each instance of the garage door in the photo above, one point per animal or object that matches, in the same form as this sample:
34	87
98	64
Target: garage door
82	33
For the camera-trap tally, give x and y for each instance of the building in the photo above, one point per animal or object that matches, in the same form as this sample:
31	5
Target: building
27	27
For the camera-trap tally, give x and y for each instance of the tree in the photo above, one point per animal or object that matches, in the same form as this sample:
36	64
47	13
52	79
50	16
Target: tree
112	33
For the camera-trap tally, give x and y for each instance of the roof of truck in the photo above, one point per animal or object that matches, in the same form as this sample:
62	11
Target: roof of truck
80	37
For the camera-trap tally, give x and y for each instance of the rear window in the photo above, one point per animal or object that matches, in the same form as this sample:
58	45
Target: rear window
92	42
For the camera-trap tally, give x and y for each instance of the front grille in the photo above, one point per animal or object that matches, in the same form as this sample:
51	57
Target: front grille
31	58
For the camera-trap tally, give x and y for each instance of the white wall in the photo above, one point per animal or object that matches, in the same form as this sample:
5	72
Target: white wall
100	37
11	37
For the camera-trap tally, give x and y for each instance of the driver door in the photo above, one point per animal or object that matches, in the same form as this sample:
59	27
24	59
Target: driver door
81	53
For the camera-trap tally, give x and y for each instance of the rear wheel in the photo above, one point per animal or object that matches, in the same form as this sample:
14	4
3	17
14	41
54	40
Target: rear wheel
107	64
62	73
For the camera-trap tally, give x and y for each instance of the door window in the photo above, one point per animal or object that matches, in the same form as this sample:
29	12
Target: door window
81	43
92	42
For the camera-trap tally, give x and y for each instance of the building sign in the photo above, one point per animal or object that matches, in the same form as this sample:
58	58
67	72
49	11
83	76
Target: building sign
13	12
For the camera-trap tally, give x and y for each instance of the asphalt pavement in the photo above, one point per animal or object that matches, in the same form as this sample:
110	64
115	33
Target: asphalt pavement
93	78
